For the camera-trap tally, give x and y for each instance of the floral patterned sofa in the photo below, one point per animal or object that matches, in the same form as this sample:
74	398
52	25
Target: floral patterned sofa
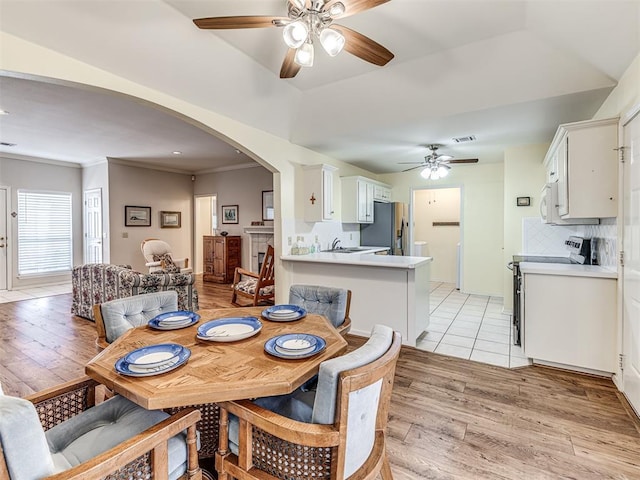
99	282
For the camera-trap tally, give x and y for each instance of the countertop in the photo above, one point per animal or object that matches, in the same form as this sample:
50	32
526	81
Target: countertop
367	258
570	270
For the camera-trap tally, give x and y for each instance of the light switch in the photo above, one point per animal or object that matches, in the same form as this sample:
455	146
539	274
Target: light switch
125	234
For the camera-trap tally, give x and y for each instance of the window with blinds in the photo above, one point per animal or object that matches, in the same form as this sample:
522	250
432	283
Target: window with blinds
44	232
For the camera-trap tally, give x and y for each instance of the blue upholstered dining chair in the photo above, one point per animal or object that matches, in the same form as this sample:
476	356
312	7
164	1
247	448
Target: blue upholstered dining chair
61	432
115	317
336	431
333	303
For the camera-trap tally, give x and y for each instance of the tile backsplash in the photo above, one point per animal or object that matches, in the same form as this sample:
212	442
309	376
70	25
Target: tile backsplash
543	239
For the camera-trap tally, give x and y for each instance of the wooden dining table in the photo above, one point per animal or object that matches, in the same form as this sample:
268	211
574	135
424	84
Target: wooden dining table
216	371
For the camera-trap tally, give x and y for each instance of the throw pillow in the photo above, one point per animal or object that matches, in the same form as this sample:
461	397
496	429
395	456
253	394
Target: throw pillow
167	263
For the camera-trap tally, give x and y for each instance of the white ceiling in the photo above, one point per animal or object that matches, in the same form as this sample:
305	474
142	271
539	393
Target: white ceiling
505	71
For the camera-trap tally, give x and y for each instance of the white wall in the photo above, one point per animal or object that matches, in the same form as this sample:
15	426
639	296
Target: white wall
438	205
52	177
237	187
482	219
524	176
625	95
148	188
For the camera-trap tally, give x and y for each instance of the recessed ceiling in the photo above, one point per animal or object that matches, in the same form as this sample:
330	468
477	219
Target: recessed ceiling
507	72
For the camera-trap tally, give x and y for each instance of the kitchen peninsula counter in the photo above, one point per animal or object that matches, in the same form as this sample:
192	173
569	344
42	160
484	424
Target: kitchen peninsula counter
388	289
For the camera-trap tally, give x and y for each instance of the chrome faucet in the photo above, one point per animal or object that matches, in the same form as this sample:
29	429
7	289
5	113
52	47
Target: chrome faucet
335	243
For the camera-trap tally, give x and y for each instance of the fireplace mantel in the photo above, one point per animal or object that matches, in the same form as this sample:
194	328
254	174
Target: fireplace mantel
260	236
259	229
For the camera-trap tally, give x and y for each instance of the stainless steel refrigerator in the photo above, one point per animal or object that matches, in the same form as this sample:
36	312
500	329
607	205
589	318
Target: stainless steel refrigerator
389	228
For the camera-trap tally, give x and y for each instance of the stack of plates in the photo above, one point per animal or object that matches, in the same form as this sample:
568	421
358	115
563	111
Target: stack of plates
295	345
229	329
152	360
284	313
174	320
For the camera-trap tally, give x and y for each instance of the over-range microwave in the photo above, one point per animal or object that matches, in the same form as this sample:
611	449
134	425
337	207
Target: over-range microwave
549	208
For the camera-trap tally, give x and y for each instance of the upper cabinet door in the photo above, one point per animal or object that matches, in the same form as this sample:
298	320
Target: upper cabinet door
319	193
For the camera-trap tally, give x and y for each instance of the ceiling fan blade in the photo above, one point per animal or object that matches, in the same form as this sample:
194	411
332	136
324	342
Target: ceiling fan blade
354	6
413	168
221	23
289	68
411	163
463	160
363	47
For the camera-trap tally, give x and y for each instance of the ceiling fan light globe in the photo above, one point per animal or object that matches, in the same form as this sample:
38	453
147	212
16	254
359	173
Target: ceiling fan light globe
295	34
442	171
332	41
337	8
426	173
304	55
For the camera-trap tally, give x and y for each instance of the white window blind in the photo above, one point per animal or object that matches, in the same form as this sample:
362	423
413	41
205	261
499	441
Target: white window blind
44	232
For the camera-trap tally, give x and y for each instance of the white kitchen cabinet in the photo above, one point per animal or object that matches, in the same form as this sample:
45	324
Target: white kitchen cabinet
318	188
570	320
381	193
583	160
357	200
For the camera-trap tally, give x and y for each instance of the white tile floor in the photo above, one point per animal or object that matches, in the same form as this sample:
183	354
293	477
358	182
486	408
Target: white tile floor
33	292
471	327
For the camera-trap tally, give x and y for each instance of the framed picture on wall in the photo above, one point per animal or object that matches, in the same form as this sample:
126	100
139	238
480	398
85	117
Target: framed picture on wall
137	216
170	219
267	205
229	213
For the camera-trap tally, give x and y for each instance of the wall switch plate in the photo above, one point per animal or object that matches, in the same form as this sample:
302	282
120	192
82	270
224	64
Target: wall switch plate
289	240
125	234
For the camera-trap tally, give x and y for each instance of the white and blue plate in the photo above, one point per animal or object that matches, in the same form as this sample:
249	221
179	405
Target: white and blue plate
153	355
132	370
174	320
229	329
284	313
315	345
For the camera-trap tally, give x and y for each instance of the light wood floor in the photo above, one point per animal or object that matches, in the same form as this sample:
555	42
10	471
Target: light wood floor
449	419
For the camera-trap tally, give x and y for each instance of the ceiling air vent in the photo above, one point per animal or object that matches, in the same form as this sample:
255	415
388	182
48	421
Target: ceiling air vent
7	144
469	138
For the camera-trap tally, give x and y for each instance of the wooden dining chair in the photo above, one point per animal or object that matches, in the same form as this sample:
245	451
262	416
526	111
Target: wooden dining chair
333	303
259	288
63	433
336	432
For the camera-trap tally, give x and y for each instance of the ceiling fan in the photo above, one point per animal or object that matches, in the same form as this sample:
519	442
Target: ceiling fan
308	20
435	165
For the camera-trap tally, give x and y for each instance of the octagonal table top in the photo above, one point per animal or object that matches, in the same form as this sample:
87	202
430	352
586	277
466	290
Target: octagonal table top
216	371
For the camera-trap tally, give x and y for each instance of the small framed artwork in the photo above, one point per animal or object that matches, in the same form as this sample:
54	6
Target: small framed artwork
523	201
137	216
170	219
267	205
229	213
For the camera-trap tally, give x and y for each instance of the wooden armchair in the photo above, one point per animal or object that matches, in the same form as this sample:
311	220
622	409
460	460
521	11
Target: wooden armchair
257	287
336	432
333	303
63	434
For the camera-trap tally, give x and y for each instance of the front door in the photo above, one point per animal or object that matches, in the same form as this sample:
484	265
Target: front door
631	269
93	226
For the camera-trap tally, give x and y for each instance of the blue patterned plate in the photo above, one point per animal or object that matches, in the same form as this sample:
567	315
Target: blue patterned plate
125	368
284	313
229	329
272	348
153	355
174	320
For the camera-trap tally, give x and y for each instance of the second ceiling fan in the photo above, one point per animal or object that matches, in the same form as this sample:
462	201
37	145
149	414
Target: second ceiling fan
435	165
310	20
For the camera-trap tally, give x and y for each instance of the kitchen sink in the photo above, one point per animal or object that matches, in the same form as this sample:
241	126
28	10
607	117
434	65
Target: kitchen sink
347	250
